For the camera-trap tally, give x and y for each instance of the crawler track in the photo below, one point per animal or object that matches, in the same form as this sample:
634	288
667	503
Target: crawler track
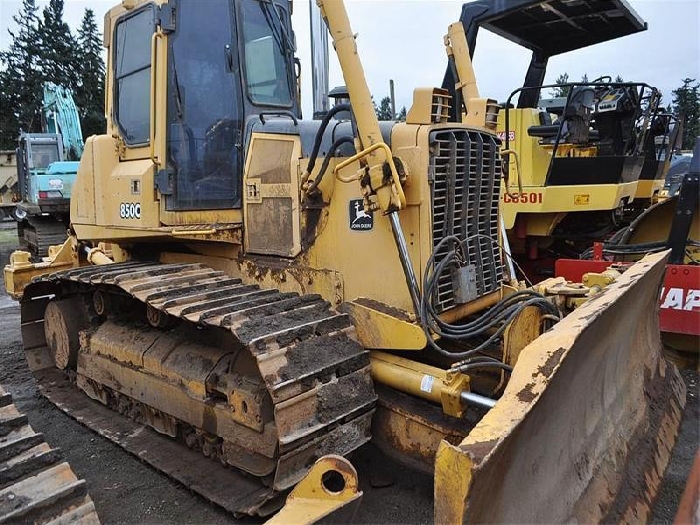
36	234
261	380
36	485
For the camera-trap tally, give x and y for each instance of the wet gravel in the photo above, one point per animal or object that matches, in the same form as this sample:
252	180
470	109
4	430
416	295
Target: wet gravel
127	491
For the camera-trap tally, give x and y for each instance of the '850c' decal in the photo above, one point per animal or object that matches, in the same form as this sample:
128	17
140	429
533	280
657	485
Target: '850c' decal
130	210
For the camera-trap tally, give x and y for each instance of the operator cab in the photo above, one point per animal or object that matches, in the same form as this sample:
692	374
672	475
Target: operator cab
227	63
37	151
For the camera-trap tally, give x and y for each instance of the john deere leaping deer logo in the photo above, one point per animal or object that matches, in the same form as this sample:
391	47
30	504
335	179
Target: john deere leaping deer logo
359	218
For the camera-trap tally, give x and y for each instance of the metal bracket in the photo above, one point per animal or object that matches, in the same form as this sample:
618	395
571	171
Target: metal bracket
167	17
464	284
686	203
328	492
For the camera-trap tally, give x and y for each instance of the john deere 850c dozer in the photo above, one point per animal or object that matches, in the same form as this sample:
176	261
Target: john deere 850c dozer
269	290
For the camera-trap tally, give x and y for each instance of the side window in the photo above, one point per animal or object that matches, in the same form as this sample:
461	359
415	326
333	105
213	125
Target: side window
267	45
132	75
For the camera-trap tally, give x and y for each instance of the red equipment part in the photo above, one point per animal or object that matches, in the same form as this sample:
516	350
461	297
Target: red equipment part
679	299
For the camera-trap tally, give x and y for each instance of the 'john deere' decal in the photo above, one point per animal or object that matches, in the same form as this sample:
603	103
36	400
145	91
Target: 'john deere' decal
359	218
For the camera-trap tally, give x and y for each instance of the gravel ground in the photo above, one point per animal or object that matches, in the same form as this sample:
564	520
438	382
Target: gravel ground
127	491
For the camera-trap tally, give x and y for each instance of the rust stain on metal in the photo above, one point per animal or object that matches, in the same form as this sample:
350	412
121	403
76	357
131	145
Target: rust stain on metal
259	379
552	361
526	395
642	478
478	451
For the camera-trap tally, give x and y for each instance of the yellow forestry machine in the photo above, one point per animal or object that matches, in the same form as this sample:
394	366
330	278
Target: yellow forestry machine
264	291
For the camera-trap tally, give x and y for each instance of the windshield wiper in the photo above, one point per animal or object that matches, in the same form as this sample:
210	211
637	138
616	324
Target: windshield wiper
287	46
178	95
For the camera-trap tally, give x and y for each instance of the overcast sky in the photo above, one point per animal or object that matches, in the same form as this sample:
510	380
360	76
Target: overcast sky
402	40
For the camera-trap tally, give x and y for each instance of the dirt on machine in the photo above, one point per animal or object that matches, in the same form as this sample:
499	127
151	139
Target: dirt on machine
245	296
36	484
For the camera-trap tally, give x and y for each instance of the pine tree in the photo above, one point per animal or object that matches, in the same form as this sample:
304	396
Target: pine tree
402	114
59	59
89	95
384	110
20	78
560	91
686	104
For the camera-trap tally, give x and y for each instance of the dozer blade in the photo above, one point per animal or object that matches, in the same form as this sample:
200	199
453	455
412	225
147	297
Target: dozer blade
585	427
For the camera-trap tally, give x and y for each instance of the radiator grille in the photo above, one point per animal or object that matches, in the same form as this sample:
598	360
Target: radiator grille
465	168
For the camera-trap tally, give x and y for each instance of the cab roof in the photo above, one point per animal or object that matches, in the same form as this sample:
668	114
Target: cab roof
552	27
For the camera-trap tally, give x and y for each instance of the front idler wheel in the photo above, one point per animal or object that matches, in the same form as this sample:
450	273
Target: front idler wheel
63	321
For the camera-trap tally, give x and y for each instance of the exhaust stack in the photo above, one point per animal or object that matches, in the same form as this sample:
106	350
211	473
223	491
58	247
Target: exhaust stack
319	61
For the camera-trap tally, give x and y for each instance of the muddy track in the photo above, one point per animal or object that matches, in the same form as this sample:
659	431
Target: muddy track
39	233
36	484
310	371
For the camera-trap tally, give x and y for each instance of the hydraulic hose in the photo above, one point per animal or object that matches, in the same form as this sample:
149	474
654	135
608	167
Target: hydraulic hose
492	322
324	167
321	130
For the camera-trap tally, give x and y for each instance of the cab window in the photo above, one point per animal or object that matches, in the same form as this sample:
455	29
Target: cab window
132	74
268	46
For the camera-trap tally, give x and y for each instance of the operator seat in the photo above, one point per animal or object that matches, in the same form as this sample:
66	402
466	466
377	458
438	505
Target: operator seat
574	125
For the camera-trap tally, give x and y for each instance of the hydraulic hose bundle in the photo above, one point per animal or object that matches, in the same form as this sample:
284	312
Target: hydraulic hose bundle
491	324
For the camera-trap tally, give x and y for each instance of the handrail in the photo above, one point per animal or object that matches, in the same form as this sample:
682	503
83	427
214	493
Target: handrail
365	152
572	85
152	131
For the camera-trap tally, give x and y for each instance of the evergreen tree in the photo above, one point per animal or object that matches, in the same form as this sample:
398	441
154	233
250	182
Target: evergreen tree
402	114
686	104
560	91
89	95
384	110
59	59
20	78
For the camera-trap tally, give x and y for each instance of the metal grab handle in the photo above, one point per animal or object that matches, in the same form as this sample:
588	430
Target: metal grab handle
366	152
517	170
289	114
152	132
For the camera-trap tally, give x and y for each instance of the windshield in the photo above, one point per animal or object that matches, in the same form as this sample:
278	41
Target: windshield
43	155
204	117
267	49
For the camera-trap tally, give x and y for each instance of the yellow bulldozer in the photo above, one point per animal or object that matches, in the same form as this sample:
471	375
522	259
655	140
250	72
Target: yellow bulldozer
264	291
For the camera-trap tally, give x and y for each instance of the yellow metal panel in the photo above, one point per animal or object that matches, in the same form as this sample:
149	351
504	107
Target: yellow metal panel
329	492
646	189
381	327
556	199
534	159
271	195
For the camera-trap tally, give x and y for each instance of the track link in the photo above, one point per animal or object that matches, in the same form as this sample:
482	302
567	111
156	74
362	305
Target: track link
36	234
312	394
36	485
